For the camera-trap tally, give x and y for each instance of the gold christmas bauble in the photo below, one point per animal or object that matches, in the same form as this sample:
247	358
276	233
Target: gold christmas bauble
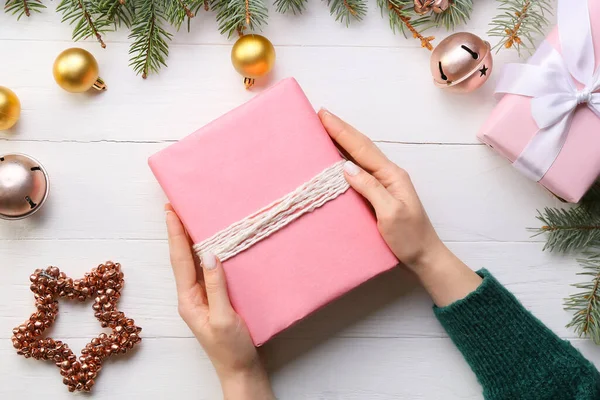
10	108
76	70
253	56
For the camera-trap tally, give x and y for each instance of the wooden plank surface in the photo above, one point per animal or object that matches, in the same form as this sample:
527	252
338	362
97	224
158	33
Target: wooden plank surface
379	342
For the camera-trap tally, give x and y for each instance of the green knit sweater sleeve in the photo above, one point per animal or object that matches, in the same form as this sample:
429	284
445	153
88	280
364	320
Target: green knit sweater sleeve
513	354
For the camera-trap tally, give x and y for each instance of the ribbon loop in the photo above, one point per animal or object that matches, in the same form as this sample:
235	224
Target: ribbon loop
550	79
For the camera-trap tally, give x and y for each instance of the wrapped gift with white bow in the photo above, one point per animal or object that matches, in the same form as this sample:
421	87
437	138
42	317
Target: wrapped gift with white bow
547	122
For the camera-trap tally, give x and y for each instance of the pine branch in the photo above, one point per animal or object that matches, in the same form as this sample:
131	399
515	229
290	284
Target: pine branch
23	7
570	229
458	12
150	48
586	304
238	15
591	201
117	11
400	14
293	6
520	23
85	17
200	4
177	11
346	10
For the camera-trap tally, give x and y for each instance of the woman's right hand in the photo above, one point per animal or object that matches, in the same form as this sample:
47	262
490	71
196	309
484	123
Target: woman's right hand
401	218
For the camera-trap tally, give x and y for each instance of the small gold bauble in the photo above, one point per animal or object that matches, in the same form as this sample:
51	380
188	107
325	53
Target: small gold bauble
253	56
10	108
76	70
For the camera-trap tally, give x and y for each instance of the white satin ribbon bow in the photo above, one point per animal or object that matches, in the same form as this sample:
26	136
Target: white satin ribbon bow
550	79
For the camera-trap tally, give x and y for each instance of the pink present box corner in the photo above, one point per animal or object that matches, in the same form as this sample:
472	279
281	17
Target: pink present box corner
510	127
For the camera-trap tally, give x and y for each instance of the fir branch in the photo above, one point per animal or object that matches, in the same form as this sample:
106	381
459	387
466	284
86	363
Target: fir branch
293	6
150	48
238	15
23	7
117	11
178	10
85	17
591	201
400	14
458	12
570	229
586	304
520	23
346	10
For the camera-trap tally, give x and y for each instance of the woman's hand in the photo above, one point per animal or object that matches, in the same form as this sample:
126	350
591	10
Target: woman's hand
401	218
204	305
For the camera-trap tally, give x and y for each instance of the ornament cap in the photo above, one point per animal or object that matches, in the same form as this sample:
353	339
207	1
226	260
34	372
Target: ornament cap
248	82
99	84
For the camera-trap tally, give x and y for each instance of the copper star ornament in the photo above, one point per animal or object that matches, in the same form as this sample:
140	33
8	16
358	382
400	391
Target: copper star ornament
104	284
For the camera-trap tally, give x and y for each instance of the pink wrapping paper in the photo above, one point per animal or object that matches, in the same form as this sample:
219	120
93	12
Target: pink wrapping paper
510	127
245	160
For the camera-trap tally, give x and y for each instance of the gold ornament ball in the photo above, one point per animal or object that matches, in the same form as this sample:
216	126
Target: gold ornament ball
76	70
461	63
10	108
252	56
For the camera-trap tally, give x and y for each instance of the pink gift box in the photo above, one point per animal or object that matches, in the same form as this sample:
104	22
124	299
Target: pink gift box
242	162
510	127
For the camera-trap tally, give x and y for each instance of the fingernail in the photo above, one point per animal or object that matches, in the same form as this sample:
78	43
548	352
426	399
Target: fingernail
209	261
167	212
351	168
325	111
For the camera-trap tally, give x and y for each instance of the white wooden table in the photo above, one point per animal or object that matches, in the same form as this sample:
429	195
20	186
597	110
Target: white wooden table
379	342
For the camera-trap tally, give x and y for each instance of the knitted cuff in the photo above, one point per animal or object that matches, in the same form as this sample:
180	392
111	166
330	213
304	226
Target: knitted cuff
506	347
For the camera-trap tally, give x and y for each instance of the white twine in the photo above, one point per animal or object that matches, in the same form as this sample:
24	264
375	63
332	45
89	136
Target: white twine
324	187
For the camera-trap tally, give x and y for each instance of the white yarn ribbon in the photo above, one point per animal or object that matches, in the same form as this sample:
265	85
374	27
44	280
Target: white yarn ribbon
324	187
550	79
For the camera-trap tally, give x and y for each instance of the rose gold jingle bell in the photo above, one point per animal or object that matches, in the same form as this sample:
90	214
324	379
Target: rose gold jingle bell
462	62
23	186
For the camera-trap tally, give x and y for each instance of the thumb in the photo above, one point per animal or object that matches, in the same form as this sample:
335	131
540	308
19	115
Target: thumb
215	283
368	186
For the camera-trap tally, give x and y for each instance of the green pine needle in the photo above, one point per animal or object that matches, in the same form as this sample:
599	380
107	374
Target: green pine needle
402	18
586	303
399	9
117	11
458	12
347	10
235	16
520	23
150	48
578	229
23	7
178	11
591	201
87	21
570	229
290	6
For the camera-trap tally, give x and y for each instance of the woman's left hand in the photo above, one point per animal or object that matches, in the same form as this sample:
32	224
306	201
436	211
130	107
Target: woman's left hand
203	303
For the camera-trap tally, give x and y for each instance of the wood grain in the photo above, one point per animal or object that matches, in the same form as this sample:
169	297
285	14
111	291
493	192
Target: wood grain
390	306
106	190
332	369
